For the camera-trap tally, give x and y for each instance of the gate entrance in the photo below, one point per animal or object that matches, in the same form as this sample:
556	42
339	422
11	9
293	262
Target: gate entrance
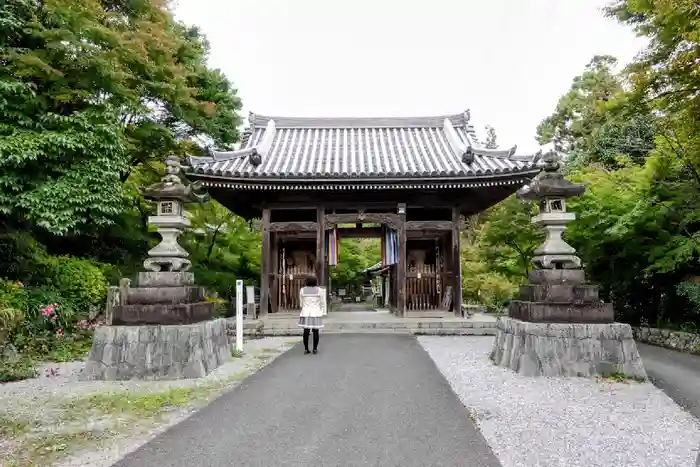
408	181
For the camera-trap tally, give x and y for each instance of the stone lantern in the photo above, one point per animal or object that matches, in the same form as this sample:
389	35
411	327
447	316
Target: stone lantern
559	326
170	195
550	192
162	327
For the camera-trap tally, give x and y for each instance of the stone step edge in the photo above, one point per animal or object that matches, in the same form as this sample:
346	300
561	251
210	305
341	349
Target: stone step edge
417	332
391	326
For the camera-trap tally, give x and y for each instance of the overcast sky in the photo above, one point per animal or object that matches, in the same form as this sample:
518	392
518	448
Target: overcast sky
508	61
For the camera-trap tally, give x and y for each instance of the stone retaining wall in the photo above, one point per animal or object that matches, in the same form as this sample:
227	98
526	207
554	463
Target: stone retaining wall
566	349
156	352
676	340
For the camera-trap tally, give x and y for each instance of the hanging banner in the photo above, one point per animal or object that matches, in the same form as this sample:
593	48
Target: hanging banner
390	247
333	243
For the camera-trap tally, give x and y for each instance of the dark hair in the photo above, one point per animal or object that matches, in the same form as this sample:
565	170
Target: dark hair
311	281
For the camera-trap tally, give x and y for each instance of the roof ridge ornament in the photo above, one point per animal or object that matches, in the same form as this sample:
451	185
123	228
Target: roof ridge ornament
465	152
254	154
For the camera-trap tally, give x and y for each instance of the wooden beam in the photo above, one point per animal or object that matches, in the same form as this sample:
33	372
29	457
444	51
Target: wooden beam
265	266
370	232
392	220
297	235
456	262
319	225
293	226
429	225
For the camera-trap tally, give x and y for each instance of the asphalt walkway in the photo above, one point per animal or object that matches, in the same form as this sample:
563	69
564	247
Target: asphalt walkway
676	373
362	401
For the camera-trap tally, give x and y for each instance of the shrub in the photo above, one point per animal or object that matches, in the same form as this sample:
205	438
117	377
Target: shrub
17	370
79	281
13	302
488	288
47	317
20	256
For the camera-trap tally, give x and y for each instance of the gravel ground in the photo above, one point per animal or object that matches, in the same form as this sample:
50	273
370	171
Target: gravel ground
557	422
39	400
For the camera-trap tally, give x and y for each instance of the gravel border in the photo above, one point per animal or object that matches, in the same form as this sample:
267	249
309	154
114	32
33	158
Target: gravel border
572	422
37	398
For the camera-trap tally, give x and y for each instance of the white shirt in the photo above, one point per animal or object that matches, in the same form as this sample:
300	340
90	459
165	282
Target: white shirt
313	302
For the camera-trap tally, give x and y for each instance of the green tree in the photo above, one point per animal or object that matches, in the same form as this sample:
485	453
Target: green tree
355	255
90	89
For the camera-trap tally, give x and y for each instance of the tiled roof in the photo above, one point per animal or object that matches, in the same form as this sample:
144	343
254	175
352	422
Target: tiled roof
361	149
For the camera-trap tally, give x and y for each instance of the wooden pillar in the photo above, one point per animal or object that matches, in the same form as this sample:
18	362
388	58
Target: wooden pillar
274	273
321	245
456	263
265	263
401	265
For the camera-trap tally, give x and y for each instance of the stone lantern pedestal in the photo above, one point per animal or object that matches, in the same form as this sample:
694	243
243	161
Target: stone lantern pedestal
559	326
162	328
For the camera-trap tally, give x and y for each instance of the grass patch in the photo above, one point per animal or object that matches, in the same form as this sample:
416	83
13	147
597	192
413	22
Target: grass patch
46	449
17	370
621	378
269	350
9	427
72	347
235	353
133	404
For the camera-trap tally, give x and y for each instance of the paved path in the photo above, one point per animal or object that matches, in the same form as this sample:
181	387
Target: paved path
362	401
677	373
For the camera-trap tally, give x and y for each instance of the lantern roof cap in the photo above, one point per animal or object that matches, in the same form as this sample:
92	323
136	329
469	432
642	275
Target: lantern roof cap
171	187
551	183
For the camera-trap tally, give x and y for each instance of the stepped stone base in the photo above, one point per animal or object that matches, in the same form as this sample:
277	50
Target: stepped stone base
157	352
162	313
566	349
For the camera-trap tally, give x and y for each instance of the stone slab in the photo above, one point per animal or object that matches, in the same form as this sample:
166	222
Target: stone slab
164	314
544	312
559	293
395	326
557	276
165	279
157	352
567	349
164	295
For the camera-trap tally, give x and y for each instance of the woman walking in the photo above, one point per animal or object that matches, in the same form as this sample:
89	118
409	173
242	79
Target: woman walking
313	309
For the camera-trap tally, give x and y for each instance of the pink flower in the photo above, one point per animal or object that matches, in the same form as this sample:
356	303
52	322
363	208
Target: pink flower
19	284
59	333
48	310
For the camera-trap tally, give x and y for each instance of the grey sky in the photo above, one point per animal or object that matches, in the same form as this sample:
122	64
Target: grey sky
508	61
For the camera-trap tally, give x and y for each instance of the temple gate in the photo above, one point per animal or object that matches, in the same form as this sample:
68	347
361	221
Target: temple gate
409	181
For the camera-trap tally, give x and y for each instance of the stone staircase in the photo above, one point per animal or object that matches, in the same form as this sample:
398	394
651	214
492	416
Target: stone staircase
374	323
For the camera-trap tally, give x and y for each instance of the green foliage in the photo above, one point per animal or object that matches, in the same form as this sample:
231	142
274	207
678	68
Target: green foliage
690	291
223	247
510	249
88	91
13	302
79	281
355	255
17	370
491	272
